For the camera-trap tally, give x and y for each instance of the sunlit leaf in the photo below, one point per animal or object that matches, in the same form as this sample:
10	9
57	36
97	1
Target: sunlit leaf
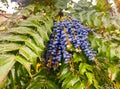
28	54
89	17
77	57
11	37
83	67
6	66
9	47
112	72
97	19
90	77
31	44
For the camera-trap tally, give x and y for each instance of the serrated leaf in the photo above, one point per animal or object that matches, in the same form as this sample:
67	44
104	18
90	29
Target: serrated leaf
82	15
66	80
28	54
90	77
12	37
118	51
112	72
41	82
29	23
52	85
83	67
79	85
71	83
97	19
4	58
102	48
35	18
26	11
77	57
96	83
64	74
5	47
31	32
25	63
106	21
6	66
43	33
89	17
62	4
22	30
31	44
112	50
39	41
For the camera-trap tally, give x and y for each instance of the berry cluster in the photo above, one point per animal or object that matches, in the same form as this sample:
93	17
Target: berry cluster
67	33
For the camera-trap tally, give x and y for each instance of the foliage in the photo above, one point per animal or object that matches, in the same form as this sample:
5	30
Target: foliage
23	45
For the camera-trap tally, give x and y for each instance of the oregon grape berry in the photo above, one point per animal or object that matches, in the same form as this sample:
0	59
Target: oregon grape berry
67	32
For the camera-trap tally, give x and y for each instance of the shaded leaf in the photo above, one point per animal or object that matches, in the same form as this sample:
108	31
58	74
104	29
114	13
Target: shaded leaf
25	63
40	82
64	74
72	82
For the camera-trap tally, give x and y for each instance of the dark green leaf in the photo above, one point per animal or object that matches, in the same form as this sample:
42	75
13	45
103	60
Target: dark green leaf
25	63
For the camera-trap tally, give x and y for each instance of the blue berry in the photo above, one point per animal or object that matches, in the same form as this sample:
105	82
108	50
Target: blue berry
68	32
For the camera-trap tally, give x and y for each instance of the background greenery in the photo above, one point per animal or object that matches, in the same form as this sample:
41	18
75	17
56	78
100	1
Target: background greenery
23	45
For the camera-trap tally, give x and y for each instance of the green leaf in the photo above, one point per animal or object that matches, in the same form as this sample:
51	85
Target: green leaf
22	30
29	23
72	82
90	77
97	19
4	58
90	14
79	85
5	47
66	80
25	63
77	57
28	54
43	33
106	21
64	74
31	32
83	67
27	10
118	52
6	66
31	44
113	50
62	4
82	16
12	37
41	82
113	70
96	85
103	48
